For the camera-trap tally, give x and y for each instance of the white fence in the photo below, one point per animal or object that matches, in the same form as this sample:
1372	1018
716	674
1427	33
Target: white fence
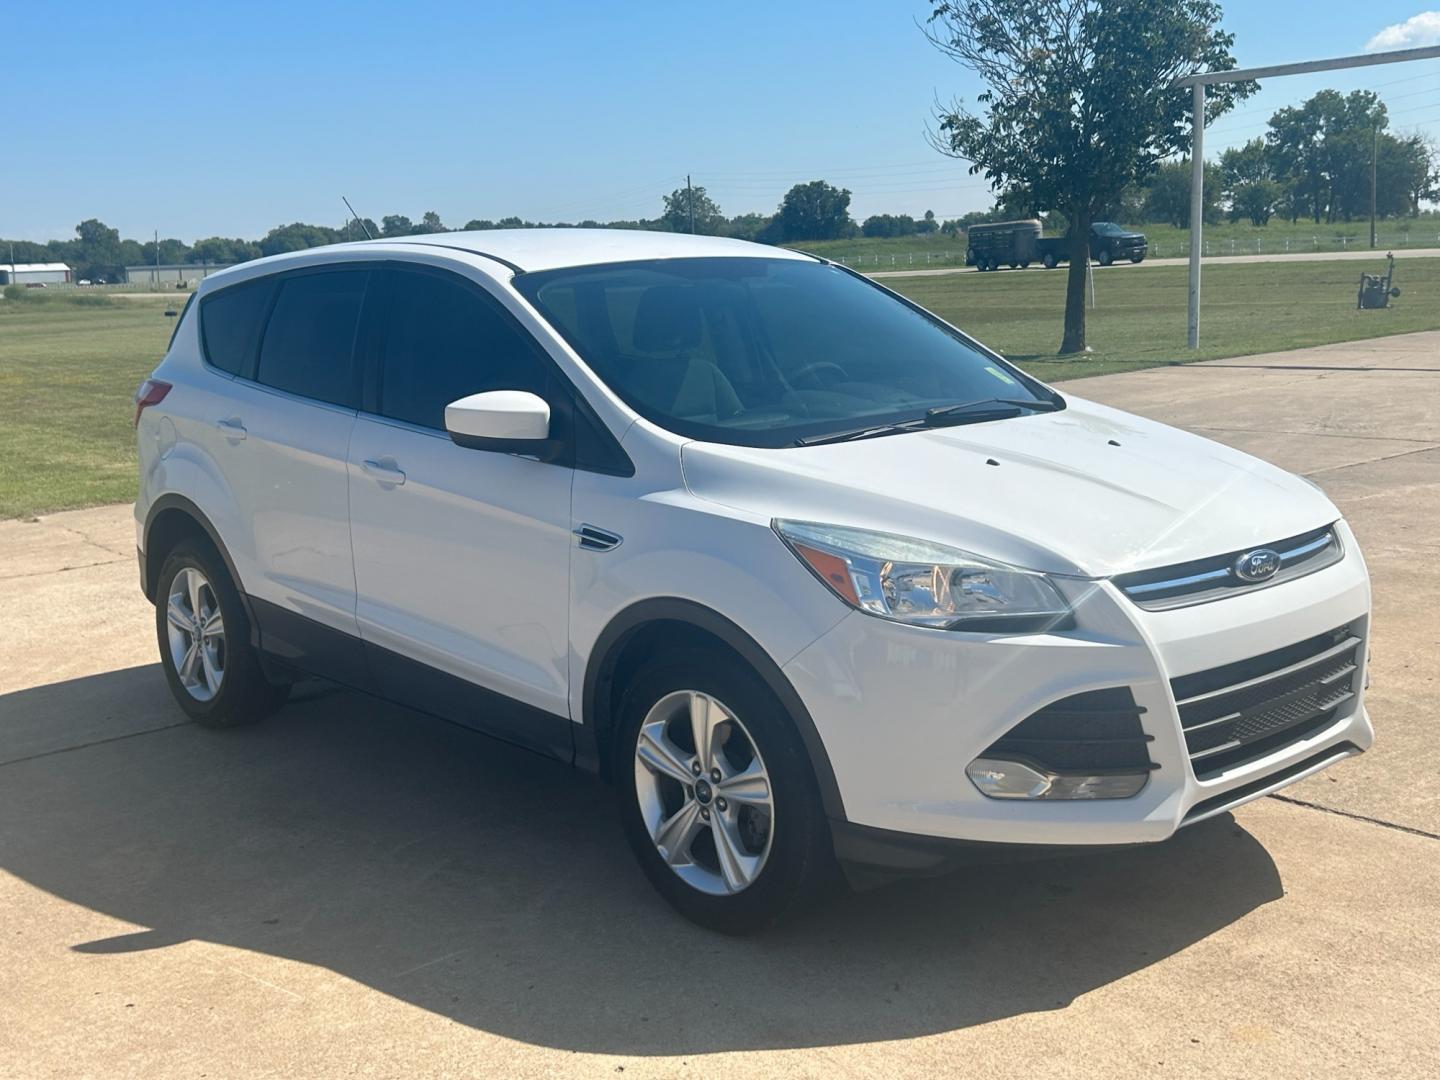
1175	249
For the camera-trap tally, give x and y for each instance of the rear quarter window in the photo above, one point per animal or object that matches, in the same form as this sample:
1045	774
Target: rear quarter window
230	322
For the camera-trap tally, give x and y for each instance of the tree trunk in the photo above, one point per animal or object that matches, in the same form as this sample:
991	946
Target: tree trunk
1074	340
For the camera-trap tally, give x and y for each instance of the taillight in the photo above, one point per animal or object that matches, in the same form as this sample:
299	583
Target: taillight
151	392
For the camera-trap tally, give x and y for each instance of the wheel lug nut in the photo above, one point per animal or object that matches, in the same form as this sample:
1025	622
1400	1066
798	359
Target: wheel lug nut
705	815
695	767
721	805
715	776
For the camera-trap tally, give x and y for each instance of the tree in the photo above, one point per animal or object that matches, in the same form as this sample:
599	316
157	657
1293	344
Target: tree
95	250
1167	194
747	226
815	211
681	203
295	237
1078	102
889	225
220	251
358	229
1248	183
927	224
396	225
430	223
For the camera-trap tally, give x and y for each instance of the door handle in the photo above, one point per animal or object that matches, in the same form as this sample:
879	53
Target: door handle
385	474
233	429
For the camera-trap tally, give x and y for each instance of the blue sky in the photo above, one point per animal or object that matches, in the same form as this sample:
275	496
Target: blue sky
231	118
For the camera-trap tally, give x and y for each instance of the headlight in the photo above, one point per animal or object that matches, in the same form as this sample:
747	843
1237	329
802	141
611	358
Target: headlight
925	584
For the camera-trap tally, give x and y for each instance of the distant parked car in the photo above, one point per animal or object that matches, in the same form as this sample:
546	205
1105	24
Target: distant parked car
83	281
35	285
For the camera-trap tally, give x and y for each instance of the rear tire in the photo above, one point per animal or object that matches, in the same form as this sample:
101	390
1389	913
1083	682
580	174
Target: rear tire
1049	261
736	865
204	636
1106	258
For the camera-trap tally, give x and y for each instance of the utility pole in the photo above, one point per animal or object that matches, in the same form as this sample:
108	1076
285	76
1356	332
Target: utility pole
690	201
1374	158
157	258
1197	209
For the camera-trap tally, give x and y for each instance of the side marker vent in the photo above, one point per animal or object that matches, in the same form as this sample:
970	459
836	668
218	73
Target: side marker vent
592	539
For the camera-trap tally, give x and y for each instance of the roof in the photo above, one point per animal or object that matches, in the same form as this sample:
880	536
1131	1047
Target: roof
34	268
549	249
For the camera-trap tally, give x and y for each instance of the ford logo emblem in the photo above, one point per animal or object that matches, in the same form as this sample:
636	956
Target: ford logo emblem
1259	565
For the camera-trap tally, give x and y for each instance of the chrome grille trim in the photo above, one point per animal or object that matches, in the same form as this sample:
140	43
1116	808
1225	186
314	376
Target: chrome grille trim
1213	578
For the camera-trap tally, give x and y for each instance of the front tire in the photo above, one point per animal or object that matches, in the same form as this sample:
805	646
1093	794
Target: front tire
204	636
717	797
1050	261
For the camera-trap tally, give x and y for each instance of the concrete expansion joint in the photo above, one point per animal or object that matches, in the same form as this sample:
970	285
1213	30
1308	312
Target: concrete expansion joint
1303	804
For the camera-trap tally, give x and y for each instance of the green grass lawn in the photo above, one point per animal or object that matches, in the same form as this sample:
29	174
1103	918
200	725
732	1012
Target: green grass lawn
69	366
70	363
1140	316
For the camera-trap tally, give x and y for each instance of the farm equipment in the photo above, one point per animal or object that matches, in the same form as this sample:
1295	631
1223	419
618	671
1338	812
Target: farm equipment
1377	290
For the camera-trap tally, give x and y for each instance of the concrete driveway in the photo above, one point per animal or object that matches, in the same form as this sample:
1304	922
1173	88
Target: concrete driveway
354	889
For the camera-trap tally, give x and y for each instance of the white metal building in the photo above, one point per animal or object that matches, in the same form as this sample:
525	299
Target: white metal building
170	273
34	273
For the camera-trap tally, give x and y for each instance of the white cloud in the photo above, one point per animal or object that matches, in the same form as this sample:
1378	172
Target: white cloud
1414	33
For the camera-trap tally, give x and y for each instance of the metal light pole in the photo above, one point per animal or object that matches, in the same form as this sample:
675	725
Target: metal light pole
1374	158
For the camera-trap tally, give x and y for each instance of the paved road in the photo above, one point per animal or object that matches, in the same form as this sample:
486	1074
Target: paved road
351	888
1377	257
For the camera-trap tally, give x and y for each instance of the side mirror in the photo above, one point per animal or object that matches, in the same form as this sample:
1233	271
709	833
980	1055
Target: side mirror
502	421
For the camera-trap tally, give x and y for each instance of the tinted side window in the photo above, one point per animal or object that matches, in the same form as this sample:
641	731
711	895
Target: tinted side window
446	341
309	343
230	322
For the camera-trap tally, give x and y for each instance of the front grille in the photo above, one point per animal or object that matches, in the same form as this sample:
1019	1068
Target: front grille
1243	711
1214	578
1094	732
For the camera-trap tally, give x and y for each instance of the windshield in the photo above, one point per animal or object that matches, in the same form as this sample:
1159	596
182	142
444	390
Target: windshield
764	352
1108	228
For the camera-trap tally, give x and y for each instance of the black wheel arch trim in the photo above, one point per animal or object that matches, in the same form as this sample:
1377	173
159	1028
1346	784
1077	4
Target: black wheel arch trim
172	501
609	645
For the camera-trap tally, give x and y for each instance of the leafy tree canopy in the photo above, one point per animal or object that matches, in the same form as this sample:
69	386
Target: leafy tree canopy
815	211
1078	102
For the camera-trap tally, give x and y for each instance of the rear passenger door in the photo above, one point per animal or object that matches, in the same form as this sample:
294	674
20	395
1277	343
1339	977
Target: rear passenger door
462	557
284	435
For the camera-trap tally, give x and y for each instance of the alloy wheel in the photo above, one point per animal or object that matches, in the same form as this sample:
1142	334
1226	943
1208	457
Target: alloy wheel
196	633
705	795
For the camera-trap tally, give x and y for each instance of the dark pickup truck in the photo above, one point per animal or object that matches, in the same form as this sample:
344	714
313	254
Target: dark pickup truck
1109	243
1019	243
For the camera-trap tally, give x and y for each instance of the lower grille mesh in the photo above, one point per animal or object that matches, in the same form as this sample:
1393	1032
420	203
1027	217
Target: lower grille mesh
1240	712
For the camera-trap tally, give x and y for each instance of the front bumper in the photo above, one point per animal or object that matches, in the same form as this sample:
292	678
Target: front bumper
902	710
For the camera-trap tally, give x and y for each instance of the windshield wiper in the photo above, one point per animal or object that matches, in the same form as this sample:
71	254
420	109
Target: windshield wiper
968	412
985	406
871	432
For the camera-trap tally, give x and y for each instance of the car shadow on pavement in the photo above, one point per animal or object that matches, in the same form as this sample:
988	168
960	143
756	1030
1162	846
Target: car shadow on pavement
494	888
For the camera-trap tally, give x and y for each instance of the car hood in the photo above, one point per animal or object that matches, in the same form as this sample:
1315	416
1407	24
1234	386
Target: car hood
1088	490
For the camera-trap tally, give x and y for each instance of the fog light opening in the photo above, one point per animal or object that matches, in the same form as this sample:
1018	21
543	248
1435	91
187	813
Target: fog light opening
1001	778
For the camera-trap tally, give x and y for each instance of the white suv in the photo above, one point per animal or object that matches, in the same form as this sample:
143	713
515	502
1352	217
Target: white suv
813	578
